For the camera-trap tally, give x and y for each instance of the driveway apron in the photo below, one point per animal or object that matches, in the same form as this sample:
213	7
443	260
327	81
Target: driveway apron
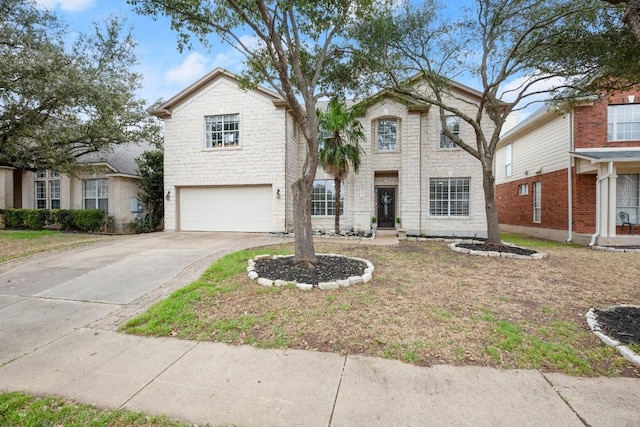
49	296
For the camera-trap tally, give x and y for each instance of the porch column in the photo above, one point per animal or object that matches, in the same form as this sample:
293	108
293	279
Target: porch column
611	226
603	203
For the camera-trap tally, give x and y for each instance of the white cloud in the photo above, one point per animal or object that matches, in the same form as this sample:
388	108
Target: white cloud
193	67
67	5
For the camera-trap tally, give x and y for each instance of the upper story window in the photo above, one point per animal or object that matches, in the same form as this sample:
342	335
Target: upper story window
96	194
47	190
623	122
453	124
222	131
323	135
387	134
508	158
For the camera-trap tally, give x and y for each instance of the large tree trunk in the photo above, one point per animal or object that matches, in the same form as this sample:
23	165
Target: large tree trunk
305	255
336	184
493	225
632	17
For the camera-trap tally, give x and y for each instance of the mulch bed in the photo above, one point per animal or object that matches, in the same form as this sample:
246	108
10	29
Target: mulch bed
328	269
621	323
496	248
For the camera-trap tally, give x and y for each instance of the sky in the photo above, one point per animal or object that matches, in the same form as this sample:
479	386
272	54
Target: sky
165	70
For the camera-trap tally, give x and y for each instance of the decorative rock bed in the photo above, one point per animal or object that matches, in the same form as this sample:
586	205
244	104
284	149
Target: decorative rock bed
626	352
504	252
332	284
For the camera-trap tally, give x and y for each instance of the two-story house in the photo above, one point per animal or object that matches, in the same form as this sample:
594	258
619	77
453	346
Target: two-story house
231	156
107	181
573	174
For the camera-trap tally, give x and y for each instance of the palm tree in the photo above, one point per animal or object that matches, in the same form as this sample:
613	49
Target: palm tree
342	134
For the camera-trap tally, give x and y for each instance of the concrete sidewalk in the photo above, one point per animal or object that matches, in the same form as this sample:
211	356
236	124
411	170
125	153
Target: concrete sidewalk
213	383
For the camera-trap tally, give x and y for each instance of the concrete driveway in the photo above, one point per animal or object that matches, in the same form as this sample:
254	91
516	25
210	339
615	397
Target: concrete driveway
46	297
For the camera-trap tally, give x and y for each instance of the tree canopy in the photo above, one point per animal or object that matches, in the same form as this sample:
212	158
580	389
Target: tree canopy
296	47
60	101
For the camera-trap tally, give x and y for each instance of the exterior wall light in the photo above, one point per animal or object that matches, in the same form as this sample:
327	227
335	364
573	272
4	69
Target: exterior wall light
168	195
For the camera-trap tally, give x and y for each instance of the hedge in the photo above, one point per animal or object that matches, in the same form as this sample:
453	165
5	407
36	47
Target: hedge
89	220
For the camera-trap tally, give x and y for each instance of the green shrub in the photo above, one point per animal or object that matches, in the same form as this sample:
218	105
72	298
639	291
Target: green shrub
35	219
88	219
64	217
14	218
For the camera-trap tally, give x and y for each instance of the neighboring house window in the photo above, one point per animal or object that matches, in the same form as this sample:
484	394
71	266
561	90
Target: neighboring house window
623	122
387	134
453	124
523	189
508	156
324	197
47	190
449	196
537	201
54	194
628	197
222	131
96	194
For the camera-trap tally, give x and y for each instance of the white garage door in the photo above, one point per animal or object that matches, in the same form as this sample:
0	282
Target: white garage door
226	208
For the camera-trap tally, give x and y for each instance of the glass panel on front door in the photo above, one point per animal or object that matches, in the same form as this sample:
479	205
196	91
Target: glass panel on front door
386	207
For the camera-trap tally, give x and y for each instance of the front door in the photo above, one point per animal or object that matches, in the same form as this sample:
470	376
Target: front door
386	207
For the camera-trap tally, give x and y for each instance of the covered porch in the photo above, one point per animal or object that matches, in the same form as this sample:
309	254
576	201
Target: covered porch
617	207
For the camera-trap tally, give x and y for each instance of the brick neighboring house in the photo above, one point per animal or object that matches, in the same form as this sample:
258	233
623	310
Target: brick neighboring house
568	175
106	181
231	156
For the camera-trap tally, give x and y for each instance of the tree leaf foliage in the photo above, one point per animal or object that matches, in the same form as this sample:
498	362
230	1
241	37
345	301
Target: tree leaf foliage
61	100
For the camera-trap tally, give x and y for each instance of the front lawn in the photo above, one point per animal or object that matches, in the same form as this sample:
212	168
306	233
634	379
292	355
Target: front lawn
20	243
426	305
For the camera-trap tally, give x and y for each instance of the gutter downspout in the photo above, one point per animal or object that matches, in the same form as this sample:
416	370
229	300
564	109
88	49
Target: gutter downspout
570	182
600	179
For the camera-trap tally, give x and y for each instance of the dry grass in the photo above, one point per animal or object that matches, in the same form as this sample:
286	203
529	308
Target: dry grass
426	305
20	243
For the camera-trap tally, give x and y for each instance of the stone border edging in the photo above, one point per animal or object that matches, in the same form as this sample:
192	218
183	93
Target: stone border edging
614	249
366	277
494	254
624	351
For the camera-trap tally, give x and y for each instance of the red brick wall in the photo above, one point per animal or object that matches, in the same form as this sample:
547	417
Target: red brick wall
518	210
584	203
590	123
514	209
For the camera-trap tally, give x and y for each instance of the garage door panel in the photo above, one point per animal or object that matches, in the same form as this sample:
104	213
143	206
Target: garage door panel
242	208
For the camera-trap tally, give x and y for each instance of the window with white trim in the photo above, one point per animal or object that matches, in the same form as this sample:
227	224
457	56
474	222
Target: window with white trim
623	122
323	201
387	134
47	190
537	201
523	189
449	196
628	197
96	194
222	131
453	124
508	158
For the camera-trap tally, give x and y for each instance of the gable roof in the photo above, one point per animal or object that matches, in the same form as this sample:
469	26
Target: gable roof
121	159
164	110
